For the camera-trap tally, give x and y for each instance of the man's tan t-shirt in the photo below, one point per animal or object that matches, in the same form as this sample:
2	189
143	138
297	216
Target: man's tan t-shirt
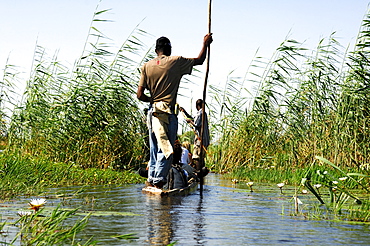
162	75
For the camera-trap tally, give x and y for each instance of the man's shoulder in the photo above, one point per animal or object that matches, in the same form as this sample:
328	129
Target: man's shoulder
179	58
151	61
163	58
173	58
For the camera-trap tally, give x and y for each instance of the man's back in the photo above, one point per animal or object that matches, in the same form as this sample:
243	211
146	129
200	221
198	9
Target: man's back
162	76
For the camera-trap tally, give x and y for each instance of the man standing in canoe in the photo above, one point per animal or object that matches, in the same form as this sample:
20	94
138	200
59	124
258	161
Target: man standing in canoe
161	76
197	124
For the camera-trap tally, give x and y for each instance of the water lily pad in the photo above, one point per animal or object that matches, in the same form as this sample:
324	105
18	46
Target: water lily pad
126	236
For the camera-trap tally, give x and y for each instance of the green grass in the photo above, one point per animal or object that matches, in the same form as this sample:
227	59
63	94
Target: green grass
53	229
26	174
267	175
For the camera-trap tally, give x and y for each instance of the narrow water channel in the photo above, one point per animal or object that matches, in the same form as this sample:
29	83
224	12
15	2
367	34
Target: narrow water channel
224	215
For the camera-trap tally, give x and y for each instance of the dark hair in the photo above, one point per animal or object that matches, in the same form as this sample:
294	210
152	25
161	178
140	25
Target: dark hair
199	103
177	152
162	44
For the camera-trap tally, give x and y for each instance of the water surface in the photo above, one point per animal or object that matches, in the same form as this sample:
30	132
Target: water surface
223	215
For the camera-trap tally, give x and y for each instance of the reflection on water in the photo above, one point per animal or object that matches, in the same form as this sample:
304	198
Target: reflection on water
160	220
222	216
169	217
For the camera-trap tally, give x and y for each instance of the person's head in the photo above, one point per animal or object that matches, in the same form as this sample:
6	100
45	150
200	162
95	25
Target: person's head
163	45
177	152
186	145
199	104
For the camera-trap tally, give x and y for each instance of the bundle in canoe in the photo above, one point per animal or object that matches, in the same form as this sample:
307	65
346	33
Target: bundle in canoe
192	186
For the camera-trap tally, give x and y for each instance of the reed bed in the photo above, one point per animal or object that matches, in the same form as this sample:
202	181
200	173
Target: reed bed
88	114
306	107
305	104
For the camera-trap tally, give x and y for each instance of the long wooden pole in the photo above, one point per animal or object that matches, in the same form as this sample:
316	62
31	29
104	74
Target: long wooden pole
202	152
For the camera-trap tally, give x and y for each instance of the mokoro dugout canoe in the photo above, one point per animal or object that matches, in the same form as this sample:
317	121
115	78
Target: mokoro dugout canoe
174	192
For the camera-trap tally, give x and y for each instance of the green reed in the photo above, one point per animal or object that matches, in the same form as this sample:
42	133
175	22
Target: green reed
305	104
87	114
40	229
345	191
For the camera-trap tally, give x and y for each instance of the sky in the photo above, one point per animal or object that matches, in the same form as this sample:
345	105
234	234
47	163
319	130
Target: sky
239	27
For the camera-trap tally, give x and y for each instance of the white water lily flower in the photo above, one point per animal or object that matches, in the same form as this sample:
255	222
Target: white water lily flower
24	213
280	185
335	182
250	184
343	178
317	186
37	203
297	200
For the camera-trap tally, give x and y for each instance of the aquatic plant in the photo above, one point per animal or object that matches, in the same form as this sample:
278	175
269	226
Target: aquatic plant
359	213
280	186
129	237
36	204
304	104
28	175
341	195
24	213
87	114
297	202
250	185
2	225
50	229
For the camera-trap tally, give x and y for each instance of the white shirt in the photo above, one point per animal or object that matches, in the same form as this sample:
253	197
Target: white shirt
185	156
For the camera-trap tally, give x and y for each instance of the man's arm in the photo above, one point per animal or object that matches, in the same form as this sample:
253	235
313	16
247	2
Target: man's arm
203	53
141	96
188	119
186	113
